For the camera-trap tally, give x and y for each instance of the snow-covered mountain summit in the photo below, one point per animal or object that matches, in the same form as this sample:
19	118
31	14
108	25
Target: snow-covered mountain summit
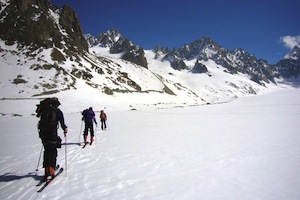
45	53
289	66
107	39
234	62
293	54
118	44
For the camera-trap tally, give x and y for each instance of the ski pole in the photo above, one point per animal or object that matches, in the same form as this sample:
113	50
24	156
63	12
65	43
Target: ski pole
107	125
66	159
37	167
80	132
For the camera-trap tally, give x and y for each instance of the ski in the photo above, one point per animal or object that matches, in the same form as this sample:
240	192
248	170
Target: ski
85	145
49	181
43	180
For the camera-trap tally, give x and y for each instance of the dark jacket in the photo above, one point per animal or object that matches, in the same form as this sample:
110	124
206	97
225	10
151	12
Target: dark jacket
88	116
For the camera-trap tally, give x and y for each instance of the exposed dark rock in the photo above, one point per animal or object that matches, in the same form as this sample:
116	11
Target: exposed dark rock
289	67
199	68
35	23
119	44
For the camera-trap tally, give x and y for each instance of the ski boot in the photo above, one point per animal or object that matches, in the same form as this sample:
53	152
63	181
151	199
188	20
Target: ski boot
49	173
84	139
92	140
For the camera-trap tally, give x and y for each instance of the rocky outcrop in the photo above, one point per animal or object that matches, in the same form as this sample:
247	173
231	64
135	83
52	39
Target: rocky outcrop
199	68
289	66
119	44
36	23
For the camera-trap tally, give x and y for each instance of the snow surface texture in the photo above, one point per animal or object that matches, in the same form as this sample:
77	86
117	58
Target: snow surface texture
246	149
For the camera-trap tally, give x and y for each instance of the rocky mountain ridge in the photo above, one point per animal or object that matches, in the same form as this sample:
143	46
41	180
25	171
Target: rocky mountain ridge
235	61
119	44
44	52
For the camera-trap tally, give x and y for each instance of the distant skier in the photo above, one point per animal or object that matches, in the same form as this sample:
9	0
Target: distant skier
50	115
89	118
103	119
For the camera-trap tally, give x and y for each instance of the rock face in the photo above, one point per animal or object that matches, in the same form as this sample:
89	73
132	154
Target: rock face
119	44
289	66
236	61
37	23
199	68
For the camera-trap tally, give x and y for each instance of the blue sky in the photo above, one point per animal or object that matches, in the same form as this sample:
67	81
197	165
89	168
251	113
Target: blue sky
265	28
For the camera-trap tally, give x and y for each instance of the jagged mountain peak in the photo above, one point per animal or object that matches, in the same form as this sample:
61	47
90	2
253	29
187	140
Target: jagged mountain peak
205	49
242	54
113	33
109	38
202	48
289	66
294	53
204	41
117	44
106	39
60	61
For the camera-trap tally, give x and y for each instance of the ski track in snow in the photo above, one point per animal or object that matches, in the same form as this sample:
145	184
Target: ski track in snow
245	149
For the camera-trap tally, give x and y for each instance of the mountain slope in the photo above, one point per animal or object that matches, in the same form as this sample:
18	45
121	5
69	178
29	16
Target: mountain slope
118	44
234	62
57	58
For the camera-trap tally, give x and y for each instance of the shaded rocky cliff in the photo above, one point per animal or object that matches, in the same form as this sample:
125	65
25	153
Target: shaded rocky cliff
37	23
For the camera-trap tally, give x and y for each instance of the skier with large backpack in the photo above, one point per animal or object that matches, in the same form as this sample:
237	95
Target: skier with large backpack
88	116
50	115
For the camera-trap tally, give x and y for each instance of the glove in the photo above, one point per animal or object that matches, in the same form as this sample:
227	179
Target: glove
65	131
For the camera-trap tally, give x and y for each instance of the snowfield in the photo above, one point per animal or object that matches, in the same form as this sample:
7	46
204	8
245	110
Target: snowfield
246	149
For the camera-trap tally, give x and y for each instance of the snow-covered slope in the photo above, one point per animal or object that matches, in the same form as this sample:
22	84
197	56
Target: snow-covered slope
246	149
213	87
106	76
47	55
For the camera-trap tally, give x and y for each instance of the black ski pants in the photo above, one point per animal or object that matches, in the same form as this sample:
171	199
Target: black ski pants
88	127
50	154
103	124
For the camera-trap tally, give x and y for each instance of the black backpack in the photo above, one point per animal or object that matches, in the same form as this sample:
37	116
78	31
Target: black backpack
46	111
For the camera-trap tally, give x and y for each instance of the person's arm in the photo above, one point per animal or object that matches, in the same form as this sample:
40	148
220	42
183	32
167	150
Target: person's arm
95	120
62	121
